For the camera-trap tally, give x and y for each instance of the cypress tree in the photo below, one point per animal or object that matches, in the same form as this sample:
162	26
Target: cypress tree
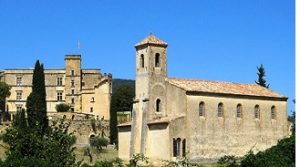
261	77
121	100
36	101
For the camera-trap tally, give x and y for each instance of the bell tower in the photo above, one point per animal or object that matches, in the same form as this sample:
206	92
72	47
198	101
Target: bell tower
151	71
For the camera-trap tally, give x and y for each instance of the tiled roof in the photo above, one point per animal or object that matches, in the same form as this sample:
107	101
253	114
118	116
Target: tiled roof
223	87
151	39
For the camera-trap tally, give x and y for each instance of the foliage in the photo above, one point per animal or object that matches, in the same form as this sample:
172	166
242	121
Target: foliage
121	101
36	101
261	77
29	148
20	120
62	107
182	162
98	142
136	158
228	161
31	141
4	92
283	154
292	119
113	163
117	83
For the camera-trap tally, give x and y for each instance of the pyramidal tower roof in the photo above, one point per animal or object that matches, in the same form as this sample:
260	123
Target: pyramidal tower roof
151	39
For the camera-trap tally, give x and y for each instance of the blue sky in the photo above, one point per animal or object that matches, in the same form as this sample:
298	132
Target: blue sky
208	39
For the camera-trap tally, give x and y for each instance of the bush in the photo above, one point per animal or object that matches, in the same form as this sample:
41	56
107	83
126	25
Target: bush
98	142
228	161
62	107
283	154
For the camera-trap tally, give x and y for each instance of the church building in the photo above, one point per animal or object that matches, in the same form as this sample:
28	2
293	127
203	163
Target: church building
205	120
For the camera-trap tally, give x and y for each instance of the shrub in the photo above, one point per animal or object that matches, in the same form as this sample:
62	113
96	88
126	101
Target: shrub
228	161
62	107
98	142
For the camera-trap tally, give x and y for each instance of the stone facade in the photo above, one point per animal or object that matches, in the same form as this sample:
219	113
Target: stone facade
205	119
87	91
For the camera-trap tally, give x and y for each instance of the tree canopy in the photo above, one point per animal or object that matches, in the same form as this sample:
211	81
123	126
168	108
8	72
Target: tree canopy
121	101
31	141
261	77
4	93
36	101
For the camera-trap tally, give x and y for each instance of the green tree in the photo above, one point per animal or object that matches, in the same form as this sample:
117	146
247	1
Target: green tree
62	107
121	101
32	142
261	77
98	142
36	101
4	93
283	154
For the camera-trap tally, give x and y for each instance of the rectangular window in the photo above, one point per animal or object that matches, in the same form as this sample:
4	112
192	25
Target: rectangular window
72	109
19	81
73	91
72	83
59	96
91	109
19	95
19	108
59	81
72	100
72	72
82	83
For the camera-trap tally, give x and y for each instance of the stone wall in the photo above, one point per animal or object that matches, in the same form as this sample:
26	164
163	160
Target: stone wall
211	137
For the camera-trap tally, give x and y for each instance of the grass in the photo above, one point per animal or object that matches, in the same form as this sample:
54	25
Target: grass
105	154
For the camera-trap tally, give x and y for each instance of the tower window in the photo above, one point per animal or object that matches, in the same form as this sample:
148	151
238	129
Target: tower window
59	81
158	105
256	112
19	95
220	110
19	81
72	83
72	100
19	107
73	91
72	72
157	60
142	61
201	109
239	111
91	109
59	96
273	112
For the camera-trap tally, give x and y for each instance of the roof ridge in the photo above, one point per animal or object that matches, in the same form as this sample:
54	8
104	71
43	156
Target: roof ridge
215	81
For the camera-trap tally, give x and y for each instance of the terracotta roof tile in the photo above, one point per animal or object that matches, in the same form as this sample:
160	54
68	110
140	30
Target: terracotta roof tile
223	87
151	39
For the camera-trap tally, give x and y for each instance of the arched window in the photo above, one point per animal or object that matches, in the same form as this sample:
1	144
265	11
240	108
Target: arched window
239	111
273	112
201	109
158	105
142	61
256	112
157	60
183	147
220	110
176	147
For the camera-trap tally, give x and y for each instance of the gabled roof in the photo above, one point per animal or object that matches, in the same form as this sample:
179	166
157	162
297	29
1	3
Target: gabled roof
218	87
152	39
